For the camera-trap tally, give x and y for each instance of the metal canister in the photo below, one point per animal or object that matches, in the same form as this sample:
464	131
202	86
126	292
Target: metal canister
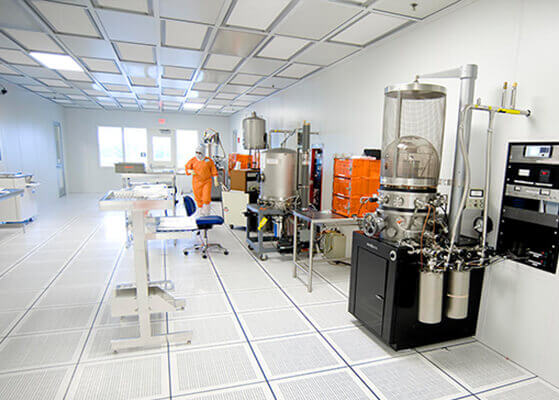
254	132
278	175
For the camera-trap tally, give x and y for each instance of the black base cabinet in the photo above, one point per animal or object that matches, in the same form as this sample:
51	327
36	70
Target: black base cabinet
384	296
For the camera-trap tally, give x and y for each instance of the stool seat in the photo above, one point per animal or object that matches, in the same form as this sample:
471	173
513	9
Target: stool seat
209	220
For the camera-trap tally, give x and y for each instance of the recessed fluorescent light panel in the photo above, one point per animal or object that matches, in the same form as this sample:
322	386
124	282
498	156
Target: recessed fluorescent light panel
56	61
192	106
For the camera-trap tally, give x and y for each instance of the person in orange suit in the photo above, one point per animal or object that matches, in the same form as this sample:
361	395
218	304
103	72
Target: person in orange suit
202	170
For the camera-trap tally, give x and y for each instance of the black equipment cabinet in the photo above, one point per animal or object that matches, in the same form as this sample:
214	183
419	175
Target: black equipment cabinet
384	295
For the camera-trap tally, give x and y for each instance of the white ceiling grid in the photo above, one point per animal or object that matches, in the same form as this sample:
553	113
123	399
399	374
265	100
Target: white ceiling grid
197	56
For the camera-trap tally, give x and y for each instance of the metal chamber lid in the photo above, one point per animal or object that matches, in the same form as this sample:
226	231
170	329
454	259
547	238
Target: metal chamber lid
415	91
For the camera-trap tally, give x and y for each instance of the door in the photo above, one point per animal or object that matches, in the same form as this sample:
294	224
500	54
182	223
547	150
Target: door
60	175
161	145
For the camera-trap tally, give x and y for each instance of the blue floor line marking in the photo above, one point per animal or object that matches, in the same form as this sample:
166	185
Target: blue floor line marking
241	325
307	318
507	384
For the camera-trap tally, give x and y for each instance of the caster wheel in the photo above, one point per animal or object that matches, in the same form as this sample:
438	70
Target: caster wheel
185	252
263	257
204	256
188	342
250	248
231	226
226	252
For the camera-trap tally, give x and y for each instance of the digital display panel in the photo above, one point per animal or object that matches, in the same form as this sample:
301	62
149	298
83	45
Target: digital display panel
537	151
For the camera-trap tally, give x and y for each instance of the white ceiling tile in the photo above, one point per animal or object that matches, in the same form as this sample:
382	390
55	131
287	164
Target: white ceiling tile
77	97
88	47
263	91
146	90
38	88
196	100
66	18
208	75
20	80
143	81
282	47
116	88
16	57
325	53
183	34
93	92
278	83
205	11
222	62
126	100
298	71
37	41
68	90
177	73
109	78
200	94
235	88
219	102
38	72
101	65
241	103
249	98
205	86
148	96
226	96
7	71
261	66
139	6
175	83
256	14
235	43
368	29
423	8
135	52
173	92
75	76
127	27
141	69
7	43
214	106
166	98
180	57
313	19
246	79
105	99
54	82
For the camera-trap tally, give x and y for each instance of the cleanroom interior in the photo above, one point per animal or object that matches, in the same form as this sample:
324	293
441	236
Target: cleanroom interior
329	282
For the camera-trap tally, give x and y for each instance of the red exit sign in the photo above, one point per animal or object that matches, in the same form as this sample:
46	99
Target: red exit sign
161	121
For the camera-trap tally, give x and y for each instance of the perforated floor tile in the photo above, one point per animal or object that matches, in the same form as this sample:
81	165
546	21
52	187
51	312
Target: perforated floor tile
17	299
104	318
240	282
99	343
209	330
53	319
534	389
359	345
7	320
320	294
295	355
122	379
335	385
218	367
203	305
45	384
328	316
71	295
409	378
263	299
477	367
192	287
267	324
40	350
253	392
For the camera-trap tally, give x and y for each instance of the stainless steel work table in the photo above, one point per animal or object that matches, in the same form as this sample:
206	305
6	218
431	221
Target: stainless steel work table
314	218
5	194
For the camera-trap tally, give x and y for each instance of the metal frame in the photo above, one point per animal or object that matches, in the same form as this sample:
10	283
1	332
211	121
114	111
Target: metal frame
315	219
257	243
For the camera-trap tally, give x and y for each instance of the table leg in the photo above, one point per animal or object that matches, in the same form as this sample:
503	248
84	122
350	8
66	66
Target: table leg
295	246
141	270
311	253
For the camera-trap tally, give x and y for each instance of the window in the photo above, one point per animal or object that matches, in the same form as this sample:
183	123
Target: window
161	148
110	145
135	145
121	144
187	141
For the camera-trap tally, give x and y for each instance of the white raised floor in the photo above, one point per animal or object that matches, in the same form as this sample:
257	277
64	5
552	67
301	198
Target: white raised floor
258	333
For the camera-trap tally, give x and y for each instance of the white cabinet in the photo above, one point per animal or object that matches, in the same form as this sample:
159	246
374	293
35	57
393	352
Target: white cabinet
23	207
234	206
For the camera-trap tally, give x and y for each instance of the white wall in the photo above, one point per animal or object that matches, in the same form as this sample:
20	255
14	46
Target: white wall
84	173
513	40
27	138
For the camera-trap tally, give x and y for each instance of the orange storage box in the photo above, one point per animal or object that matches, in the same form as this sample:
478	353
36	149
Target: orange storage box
350	206
244	159
357	167
355	186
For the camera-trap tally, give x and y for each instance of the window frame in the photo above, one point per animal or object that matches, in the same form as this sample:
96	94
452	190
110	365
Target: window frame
122	144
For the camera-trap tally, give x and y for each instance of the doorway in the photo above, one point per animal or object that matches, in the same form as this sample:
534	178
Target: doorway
60	174
161	145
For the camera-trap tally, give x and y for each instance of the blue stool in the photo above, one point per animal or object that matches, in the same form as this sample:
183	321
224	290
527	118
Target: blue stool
204	224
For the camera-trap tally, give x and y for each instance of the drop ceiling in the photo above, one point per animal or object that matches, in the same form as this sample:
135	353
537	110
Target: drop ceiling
193	56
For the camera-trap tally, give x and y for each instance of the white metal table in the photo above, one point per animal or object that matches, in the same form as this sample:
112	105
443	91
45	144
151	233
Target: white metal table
314	218
145	297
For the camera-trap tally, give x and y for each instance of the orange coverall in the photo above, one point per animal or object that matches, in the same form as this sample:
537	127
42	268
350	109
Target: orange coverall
204	170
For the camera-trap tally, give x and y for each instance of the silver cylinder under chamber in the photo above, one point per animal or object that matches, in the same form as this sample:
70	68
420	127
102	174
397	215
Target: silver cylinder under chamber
430	297
458	294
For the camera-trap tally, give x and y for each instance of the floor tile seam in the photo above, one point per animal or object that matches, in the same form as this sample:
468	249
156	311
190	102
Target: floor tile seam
76	252
446	373
259	363
97	311
37	368
69	305
48	332
38	247
506	385
305	316
218	389
309	373
445	346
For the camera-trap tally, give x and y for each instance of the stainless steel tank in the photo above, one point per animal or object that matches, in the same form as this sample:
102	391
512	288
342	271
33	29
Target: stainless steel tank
278	175
254	132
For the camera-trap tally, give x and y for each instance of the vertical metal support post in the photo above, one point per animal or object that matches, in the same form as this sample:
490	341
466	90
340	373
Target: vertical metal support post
141	271
295	248
303	163
311	255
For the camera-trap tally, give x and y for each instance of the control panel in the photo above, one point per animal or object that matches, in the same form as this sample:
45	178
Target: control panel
476	199
529	224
